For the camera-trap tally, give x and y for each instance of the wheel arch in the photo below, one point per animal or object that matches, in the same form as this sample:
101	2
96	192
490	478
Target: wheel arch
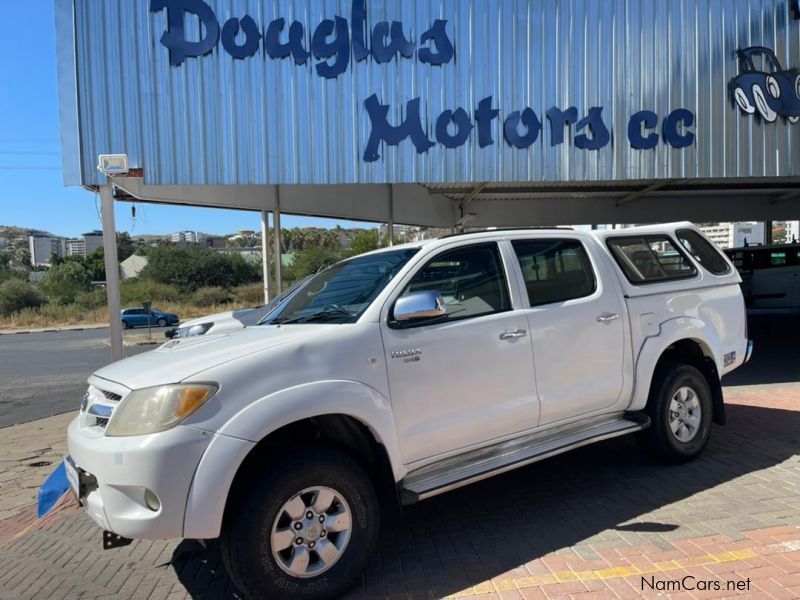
696	345
348	416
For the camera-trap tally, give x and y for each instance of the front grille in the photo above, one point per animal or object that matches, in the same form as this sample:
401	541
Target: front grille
100	422
111	396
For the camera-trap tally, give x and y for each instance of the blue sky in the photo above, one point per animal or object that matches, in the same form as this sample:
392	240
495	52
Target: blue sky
31	190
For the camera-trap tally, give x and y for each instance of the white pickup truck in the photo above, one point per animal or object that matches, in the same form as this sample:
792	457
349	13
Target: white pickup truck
405	373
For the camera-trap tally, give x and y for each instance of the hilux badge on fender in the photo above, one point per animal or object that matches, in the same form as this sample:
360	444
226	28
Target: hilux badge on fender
407	354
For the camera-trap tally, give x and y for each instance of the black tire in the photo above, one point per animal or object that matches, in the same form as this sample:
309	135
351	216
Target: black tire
659	438
245	540
125	325
162	322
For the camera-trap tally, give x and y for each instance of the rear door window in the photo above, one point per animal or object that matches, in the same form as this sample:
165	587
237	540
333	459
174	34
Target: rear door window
703	252
650	259
555	270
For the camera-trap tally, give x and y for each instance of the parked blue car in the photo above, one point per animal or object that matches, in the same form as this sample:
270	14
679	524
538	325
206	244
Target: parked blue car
764	86
139	317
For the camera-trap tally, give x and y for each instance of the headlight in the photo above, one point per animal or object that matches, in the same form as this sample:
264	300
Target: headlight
194	330
157	409
772	87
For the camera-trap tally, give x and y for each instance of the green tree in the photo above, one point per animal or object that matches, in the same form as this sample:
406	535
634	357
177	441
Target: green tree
95	264
193	267
310	261
15	295
64	282
364	241
125	246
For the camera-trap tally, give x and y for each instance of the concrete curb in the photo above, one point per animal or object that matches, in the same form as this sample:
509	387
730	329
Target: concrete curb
52	330
129	343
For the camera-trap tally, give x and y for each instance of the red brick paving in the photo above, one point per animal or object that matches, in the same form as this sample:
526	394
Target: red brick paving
553	530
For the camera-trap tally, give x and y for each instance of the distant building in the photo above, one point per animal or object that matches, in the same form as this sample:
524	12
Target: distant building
84	246
188	237
92	241
75	247
734	235
42	246
36	276
132	266
251	255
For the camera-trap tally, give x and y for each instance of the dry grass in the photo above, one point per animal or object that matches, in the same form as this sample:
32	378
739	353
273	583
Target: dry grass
55	315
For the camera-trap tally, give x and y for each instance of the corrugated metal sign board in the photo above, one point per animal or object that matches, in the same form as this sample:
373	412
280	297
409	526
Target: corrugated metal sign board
218	120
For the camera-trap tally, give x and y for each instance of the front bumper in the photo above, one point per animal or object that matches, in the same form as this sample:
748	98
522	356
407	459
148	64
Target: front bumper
119	470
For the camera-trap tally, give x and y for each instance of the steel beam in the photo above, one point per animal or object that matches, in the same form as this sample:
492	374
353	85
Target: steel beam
276	225
265	253
656	185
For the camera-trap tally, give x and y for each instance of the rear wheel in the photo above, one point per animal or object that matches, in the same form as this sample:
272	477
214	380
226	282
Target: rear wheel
680	409
303	529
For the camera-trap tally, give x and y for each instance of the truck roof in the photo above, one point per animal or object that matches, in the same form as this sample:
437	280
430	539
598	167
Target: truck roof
500	231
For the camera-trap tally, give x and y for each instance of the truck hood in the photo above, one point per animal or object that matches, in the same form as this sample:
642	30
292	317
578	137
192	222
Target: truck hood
180	359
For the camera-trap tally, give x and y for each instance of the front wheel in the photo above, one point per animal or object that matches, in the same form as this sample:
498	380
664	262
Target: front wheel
680	410
162	322
125	325
303	529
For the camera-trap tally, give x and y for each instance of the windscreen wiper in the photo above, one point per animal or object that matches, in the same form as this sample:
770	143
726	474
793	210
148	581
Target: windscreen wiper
332	310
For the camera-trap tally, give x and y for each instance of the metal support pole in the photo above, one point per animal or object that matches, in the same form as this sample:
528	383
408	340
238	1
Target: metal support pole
265	253
767	233
276	224
112	269
390	224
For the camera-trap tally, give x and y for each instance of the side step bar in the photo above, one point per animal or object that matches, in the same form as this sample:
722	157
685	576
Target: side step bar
476	465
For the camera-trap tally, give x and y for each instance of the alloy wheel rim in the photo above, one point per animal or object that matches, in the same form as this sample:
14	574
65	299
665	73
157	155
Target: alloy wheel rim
685	414
311	532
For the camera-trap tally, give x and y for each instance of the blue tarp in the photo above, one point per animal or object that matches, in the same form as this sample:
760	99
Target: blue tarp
52	489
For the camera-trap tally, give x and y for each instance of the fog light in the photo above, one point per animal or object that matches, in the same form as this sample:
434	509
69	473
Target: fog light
152	501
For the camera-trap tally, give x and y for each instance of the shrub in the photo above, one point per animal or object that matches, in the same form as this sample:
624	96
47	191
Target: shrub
209	296
250	295
193	267
16	294
65	281
136	291
91	300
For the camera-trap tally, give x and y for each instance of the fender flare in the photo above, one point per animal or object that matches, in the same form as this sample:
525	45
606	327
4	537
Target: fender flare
213	478
671	331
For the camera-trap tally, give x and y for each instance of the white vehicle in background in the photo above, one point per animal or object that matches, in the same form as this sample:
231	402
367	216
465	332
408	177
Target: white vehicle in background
405	373
232	320
770	277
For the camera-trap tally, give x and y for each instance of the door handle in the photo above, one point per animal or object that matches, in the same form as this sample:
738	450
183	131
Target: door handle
512	335
607	317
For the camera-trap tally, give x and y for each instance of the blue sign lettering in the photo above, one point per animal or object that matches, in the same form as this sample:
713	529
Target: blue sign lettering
436	47
334	42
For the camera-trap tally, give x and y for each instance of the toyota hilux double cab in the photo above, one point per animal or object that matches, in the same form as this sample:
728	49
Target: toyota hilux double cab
405	373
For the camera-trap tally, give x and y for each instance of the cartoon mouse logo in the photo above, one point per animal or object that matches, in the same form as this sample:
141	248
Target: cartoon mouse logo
763	85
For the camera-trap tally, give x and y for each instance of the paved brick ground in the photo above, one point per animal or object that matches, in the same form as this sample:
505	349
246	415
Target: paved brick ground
28	454
590	524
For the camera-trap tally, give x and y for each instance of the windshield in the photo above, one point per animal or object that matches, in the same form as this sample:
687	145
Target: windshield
341	293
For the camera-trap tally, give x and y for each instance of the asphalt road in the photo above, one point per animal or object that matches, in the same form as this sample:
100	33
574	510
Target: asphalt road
43	374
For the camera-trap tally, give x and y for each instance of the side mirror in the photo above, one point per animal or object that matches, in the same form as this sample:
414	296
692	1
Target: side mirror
419	305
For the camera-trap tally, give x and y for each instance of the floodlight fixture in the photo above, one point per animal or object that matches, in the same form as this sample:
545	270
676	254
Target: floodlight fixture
112	164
